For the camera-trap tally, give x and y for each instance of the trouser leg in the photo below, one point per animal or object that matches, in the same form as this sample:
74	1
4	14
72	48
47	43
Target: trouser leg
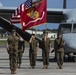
61	57
30	58
34	56
10	61
43	56
20	57
13	63
58	58
47	57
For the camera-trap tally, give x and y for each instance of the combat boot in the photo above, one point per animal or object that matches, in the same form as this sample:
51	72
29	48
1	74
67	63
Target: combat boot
60	67
12	72
46	66
33	67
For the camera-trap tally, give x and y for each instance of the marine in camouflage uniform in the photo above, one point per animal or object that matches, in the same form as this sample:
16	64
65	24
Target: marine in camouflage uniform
21	48
13	51
33	51
59	50
46	43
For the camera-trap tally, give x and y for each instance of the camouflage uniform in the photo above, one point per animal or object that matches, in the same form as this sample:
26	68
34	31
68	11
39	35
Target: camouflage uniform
59	52
45	52
21	48
13	51
33	53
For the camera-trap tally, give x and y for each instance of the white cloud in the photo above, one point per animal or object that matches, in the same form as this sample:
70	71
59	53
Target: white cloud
1	4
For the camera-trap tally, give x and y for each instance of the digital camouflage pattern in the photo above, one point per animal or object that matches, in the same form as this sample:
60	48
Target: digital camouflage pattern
59	51
13	51
33	52
45	50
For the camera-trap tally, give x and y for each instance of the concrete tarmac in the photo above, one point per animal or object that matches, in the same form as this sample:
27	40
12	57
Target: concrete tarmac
69	68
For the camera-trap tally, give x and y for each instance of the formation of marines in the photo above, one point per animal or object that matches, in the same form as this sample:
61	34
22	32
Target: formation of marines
16	46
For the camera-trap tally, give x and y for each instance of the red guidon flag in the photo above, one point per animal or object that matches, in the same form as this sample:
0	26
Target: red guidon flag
35	15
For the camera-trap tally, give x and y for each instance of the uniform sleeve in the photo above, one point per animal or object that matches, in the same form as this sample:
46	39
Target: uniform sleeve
8	40
55	44
37	43
49	43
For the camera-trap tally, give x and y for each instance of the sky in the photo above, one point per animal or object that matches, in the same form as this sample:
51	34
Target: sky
50	4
